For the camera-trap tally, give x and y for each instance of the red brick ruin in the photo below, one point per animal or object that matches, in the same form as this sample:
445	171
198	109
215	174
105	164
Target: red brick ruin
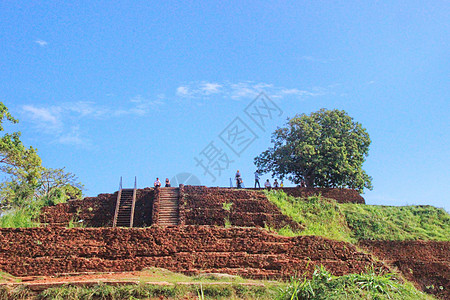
218	230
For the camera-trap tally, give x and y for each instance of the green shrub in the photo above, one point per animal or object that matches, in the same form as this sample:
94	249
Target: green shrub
369	285
227	205
20	217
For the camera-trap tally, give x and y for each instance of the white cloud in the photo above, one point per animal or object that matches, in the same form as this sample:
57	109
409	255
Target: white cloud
142	106
41	43
62	122
84	109
305	93
183	91
73	137
210	88
199	89
45	118
243	90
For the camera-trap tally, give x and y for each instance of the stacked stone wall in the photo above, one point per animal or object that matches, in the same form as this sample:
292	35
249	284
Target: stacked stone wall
248	252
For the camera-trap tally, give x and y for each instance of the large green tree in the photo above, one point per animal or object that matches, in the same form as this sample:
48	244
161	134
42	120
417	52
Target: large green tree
324	149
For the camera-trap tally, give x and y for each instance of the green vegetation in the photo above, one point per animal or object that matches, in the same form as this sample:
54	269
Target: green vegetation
322	285
172	286
27	185
145	291
369	285
397	222
323	149
19	217
320	216
227	205
16	160
351	222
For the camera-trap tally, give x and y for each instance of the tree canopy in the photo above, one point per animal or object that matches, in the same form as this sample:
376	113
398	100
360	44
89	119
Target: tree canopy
15	159
28	184
323	149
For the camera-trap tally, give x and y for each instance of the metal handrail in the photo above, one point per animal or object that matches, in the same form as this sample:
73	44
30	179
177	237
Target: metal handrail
133	203
119	195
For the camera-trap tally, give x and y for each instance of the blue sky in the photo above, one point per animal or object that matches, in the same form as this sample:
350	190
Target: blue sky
144	88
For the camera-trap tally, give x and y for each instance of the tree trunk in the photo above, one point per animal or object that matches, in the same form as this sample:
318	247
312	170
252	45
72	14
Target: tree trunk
309	179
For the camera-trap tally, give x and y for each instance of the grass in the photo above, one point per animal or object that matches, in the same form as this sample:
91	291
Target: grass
397	222
5	277
145	291
369	285
199	289
16	218
320	216
204	286
322	285
352	222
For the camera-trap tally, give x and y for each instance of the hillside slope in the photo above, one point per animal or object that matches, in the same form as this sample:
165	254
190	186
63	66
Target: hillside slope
352	222
411	239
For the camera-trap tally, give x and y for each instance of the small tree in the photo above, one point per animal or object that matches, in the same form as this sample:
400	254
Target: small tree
27	183
57	186
325	149
15	159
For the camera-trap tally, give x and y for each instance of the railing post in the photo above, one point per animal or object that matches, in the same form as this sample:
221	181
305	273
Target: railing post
133	203
119	194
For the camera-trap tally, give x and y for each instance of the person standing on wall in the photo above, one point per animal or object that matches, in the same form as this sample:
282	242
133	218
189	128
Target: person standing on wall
239	182
238	179
257	180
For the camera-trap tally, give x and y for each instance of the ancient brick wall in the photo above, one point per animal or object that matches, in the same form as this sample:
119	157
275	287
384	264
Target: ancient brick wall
249	252
217	206
340	195
426	263
98	211
198	206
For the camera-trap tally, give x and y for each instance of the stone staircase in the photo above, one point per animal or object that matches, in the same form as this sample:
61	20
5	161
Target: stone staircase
168	207
124	215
